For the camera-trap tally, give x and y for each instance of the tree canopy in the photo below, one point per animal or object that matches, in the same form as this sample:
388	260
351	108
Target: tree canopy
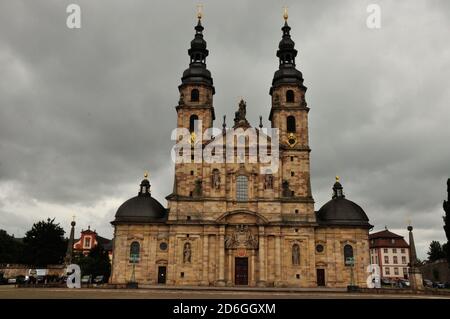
11	249
44	244
435	251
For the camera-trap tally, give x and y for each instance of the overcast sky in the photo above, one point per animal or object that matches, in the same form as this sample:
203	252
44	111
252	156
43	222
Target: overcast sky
83	113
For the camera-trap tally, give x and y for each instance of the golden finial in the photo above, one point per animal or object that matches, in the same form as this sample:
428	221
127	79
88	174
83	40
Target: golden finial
285	14
146	174
337	178
199	11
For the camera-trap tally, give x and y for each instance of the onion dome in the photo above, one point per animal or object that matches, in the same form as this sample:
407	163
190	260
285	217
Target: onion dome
340	211
141	209
287	72
197	73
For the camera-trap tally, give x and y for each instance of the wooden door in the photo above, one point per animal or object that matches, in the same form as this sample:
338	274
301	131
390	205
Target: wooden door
241	271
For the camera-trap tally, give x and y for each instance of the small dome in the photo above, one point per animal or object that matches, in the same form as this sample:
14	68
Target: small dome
142	208
341	211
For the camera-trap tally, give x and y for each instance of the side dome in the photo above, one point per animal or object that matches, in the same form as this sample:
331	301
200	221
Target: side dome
142	208
341	211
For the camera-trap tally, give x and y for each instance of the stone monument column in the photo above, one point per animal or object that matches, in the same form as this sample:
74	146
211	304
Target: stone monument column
415	276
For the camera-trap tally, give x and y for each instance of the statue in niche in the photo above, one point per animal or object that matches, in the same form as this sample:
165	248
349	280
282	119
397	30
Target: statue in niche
268	181
181	100
295	254
285	188
198	187
187	253
216	179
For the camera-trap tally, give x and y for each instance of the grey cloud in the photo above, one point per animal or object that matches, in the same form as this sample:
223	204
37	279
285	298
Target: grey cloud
83	113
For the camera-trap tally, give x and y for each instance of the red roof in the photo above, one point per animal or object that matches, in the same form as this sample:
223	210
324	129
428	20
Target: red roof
387	239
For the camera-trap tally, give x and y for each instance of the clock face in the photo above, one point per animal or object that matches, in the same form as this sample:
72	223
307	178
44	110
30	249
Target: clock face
292	140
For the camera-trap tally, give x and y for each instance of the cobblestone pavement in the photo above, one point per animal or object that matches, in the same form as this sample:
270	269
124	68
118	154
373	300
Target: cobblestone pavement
8	292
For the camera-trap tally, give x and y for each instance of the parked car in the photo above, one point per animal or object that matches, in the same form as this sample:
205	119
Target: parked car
99	279
20	279
428	283
439	285
403	283
386	282
12	280
86	279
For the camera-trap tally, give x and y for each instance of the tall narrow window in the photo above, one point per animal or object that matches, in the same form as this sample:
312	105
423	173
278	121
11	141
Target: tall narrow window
290	123
289	96
348	255
195	95
192	120
135	252
242	188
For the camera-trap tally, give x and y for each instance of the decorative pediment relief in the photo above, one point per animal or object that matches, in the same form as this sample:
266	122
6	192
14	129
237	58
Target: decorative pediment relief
135	237
241	237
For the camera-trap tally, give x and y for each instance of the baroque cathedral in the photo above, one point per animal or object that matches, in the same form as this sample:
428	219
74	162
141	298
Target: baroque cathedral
227	224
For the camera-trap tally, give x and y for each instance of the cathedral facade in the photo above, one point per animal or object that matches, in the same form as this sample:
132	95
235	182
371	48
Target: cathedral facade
232	223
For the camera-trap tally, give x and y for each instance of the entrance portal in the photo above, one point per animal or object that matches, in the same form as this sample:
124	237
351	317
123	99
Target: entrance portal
162	274
321	277
241	271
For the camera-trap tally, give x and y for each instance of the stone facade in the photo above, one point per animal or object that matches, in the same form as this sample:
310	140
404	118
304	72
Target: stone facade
269	235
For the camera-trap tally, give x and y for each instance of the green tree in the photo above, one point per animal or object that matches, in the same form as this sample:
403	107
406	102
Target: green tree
44	244
11	249
435	251
446	218
96	263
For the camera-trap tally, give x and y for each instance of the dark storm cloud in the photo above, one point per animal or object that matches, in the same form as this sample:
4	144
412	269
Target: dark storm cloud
84	112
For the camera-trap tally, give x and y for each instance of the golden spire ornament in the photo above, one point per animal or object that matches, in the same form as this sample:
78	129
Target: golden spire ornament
285	14
337	178
199	11
146	174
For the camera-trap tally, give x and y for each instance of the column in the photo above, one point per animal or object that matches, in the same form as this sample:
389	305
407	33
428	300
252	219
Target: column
252	268
262	257
205	280
278	261
230	268
221	280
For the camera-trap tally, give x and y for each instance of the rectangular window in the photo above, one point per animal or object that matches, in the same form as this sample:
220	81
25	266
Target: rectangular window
405	271
242	188
385	250
386	270
395	260
403	250
87	242
386	259
394	250
403	259
396	271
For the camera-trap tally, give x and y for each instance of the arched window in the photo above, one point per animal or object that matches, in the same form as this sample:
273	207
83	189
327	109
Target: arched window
135	252
195	95
348	255
296	254
290	123
192	120
290	96
242	188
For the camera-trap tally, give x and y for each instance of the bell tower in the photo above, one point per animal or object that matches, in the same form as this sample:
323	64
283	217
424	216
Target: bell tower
196	88
289	113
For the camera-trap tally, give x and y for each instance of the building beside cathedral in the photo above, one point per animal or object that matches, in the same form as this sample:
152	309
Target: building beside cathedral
229	224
